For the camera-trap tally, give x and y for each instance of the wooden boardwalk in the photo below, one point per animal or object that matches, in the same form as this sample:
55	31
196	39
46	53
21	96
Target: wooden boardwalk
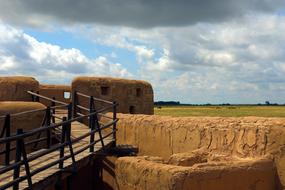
68	142
77	129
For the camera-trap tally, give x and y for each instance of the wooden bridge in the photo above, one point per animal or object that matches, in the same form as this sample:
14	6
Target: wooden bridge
68	133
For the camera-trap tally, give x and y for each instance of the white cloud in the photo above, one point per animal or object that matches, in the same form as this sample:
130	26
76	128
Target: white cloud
23	54
118	37
240	61
234	61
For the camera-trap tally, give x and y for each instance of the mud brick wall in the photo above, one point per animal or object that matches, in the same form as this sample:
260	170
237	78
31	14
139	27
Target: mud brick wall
15	88
248	137
26	121
56	91
133	96
136	173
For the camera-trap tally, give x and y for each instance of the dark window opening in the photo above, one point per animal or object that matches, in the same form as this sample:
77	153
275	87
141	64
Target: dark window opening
66	95
138	92
105	90
132	110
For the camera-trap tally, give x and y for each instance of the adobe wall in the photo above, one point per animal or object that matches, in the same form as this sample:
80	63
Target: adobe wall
248	137
26	122
15	88
133	96
56	91
141	174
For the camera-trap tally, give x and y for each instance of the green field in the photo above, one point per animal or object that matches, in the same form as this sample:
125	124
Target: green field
221	111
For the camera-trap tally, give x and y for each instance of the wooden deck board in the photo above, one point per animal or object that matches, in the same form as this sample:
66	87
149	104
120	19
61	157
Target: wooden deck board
77	130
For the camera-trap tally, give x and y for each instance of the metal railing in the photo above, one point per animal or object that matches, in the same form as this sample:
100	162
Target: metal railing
64	126
92	100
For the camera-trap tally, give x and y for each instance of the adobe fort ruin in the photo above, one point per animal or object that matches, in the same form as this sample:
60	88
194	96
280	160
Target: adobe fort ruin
197	153
133	96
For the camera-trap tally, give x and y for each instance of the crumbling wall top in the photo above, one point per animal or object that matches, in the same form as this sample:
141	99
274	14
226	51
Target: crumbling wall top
110	80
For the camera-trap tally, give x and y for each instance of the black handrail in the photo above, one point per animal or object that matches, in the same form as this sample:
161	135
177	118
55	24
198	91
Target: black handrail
52	126
23	159
34	110
46	98
95	99
94	118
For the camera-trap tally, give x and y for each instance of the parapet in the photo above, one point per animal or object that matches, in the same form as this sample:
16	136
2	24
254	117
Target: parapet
247	138
15	88
133	96
26	121
145	173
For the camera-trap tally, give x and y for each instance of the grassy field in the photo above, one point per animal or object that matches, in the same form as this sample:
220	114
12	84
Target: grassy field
222	111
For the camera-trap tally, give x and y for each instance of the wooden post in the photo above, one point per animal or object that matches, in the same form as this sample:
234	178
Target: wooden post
69	111
62	140
53	110
37	98
74	104
96	120
68	138
33	97
7	127
115	123
26	163
16	173
91	100
48	118
91	122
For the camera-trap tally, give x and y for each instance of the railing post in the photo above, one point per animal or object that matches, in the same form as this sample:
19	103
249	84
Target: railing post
98	127
7	127
74	103
16	173
91	109
69	111
48	118
37	98
115	123
53	110
33	97
39	134
26	163
91	122
62	140
68	139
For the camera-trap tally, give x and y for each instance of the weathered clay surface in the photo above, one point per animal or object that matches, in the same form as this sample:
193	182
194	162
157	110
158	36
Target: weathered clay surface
132	95
136	173
56	91
188	158
249	137
26	121
15	88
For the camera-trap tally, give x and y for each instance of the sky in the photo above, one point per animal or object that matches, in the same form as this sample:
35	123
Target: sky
192	51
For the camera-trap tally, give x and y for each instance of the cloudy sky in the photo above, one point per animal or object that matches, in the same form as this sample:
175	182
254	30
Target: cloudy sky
192	51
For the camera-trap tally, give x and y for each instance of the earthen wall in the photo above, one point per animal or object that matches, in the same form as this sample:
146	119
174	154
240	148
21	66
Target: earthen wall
137	173
133	96
59	92
15	88
249	137
26	121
